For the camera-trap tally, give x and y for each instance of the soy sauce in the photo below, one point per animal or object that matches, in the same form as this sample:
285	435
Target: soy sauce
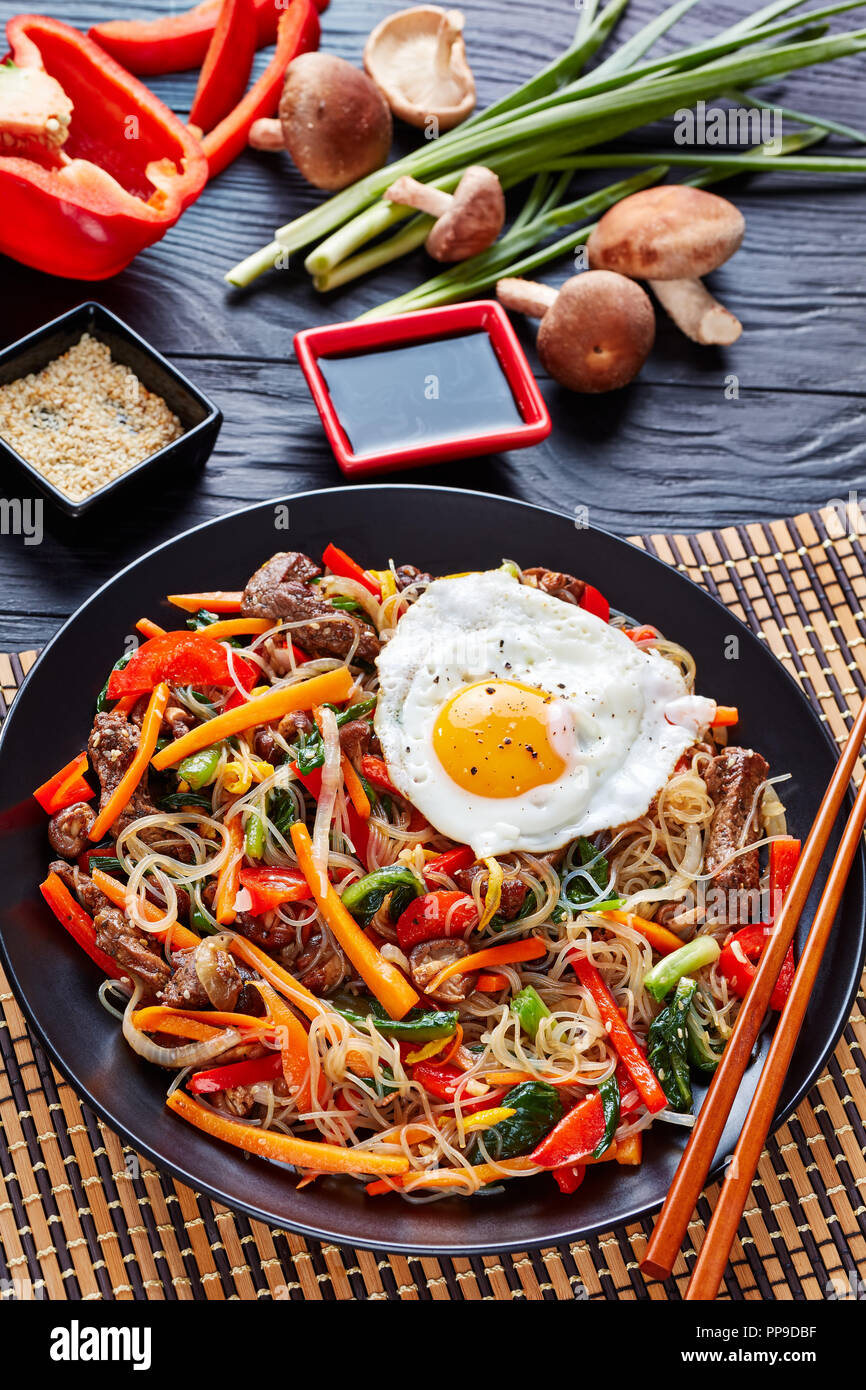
443	388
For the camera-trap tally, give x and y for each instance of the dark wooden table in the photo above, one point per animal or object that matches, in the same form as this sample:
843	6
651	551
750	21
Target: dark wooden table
674	450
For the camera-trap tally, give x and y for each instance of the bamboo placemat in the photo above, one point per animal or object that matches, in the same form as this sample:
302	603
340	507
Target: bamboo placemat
83	1217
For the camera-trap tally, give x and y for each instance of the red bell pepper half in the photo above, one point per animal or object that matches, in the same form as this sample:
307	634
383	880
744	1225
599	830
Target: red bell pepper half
739	958
298	32
268	888
84	207
237	1074
176	42
227	65
180	658
71	915
621	1037
436	915
338	562
65	788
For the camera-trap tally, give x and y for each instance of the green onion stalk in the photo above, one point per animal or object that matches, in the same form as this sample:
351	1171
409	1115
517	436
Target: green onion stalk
557	115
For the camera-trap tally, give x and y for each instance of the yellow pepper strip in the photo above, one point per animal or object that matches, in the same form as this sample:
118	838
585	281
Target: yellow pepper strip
493	896
428	1050
239	777
333	687
483	1118
238	627
284	1148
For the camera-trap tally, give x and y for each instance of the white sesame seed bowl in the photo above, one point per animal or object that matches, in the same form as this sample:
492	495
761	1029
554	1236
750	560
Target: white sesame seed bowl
87	405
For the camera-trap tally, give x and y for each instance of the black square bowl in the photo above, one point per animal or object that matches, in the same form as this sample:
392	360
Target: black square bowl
200	418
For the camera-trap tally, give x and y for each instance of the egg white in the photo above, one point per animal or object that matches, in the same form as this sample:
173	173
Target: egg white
627	714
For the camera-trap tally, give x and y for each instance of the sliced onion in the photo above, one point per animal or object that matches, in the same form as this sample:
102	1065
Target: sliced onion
206	962
350	588
189	1055
327	795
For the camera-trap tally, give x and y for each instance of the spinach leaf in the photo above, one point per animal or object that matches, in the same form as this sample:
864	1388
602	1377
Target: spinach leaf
537	1109
668	1044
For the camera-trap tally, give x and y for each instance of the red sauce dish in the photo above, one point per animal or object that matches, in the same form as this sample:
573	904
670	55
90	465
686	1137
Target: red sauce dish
420	388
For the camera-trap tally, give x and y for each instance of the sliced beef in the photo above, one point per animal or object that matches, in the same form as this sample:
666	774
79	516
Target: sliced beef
558	585
280	590
268	931
131	948
82	885
68	831
321	966
513	891
221	987
184	990
732	780
239	1100
178	721
355	739
429	957
407	575
112	746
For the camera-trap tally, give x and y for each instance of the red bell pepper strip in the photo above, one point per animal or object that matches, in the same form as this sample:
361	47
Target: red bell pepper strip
227	65
575	1137
65	788
268	888
338	562
595	602
641	634
436	915
376	772
72	916
179	658
568	1180
359	831
442	1083
236	1074
176	42
620	1035
741	954
298	32
448	863
85	210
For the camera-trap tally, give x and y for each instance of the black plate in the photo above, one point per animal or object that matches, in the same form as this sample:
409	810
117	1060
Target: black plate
444	531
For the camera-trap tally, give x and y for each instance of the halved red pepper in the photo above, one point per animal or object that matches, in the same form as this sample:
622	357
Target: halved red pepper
175	42
227	65
65	788
620	1035
436	915
739	958
298	32
84	207
449	863
71	915
268	888
237	1074
180	658
338	562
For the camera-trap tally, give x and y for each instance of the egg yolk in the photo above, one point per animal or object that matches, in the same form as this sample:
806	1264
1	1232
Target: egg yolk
493	739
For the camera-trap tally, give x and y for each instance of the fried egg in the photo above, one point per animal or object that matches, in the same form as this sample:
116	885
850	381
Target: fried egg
515	721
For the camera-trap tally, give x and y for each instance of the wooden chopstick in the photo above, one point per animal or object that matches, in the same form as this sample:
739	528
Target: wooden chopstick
691	1174
713	1257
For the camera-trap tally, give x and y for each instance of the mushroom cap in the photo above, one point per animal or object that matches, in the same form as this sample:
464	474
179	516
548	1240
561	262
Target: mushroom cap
417	58
336	124
668	233
474	219
598	332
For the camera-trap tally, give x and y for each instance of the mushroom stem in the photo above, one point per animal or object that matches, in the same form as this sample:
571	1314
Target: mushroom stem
267	134
526	296
693	309
423	196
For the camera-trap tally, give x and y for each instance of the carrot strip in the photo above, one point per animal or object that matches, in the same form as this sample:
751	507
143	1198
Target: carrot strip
181	937
65	787
228	881
284	1148
510	951
390	987
203	1023
129	781
217	601
725	716
455	1177
149	629
661	940
294	1046
355	788
491	982
280	979
333	686
126	704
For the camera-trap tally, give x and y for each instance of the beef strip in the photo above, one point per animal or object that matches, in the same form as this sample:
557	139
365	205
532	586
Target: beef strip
82	885
112	746
321	966
186	991
557	584
407	575
131	948
239	1100
268	931
68	831
513	891
732	780
429	957
280	590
